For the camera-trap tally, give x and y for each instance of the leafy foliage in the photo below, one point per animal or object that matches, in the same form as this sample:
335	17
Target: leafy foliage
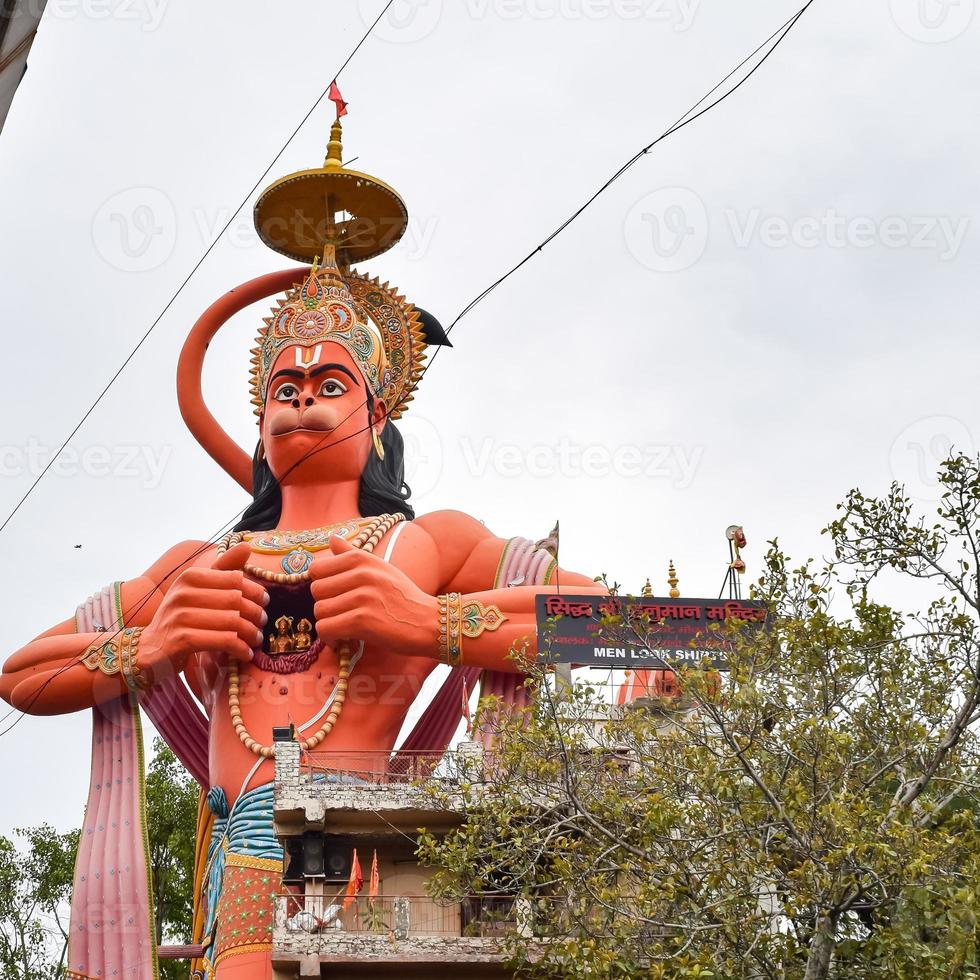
36	878
172	797
35	883
816	817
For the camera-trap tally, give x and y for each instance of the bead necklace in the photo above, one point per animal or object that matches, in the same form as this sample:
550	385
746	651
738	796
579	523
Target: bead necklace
299	546
367	539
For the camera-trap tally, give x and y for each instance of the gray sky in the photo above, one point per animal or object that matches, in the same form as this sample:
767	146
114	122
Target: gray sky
777	305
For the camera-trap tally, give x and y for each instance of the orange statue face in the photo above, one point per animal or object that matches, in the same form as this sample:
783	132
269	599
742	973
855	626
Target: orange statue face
317	400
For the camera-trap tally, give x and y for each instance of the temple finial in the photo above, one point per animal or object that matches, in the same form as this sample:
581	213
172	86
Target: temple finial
335	148
672	581
647	590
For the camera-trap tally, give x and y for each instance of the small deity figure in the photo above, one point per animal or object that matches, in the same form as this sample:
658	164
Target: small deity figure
283	641
303	638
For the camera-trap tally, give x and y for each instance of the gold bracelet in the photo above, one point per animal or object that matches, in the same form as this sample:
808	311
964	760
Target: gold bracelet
450	629
119	655
478	618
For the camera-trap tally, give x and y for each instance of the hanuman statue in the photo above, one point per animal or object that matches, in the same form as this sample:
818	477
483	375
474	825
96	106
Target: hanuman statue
331	537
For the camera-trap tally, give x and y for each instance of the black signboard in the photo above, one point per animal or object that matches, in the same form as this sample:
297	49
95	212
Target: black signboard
643	631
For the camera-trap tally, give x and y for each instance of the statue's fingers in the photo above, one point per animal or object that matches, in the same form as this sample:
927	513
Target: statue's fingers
255	592
229	621
253	612
340	546
336	585
213	599
326	609
345	624
235	647
248	633
220	641
329	564
234	558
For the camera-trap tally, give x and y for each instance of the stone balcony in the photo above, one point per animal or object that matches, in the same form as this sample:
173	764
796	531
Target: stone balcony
407	936
372	793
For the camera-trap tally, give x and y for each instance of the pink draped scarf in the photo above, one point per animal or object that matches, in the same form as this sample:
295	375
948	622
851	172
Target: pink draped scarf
112	931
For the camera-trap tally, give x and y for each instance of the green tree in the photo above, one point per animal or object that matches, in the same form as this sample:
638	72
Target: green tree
36	875
35	884
814	818
171	798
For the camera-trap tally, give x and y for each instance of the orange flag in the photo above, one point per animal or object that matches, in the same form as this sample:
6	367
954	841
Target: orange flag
373	880
337	99
356	882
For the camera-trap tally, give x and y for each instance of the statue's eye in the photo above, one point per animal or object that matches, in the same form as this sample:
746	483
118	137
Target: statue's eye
286	392
331	388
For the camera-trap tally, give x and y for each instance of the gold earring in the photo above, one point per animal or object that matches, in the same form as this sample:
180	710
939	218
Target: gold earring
261	452
378	447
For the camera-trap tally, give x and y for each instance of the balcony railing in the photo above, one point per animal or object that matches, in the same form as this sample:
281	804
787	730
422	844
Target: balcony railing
397	917
394	768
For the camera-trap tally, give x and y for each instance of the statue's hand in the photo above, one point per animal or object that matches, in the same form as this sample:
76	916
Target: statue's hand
215	610
359	596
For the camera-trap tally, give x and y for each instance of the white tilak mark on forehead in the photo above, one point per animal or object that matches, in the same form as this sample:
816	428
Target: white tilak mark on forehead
302	360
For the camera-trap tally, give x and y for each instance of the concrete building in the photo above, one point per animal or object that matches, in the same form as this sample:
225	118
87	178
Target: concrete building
330	805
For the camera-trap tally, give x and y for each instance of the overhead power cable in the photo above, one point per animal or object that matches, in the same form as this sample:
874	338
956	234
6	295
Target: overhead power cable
771	43
769	46
129	357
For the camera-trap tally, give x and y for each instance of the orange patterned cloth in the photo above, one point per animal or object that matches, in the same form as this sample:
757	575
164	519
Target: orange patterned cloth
247	906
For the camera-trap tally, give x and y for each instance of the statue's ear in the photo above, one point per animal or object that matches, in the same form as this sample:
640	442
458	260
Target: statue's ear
379	414
435	336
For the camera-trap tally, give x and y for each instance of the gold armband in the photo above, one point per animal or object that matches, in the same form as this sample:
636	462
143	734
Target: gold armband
119	655
450	629
478	618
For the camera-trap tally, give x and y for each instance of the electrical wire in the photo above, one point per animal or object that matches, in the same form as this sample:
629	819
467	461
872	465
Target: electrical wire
129	357
779	34
686	119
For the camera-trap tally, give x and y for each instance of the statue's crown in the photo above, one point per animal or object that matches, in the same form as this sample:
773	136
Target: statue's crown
333	216
377	327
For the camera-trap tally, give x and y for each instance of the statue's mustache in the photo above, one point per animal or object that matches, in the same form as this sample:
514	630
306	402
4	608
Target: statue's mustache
315	418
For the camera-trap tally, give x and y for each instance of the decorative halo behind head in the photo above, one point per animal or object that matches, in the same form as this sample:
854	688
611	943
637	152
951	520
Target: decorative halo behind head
380	330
